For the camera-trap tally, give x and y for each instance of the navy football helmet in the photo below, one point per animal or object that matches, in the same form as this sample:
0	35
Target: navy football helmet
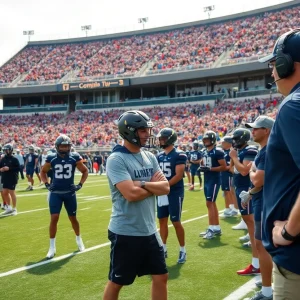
240	137
211	136
63	140
128	124
168	136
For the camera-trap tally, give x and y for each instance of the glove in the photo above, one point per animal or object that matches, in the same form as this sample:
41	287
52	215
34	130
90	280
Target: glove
75	188
245	197
49	187
203	169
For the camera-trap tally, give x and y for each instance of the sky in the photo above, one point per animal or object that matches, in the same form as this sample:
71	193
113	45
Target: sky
57	19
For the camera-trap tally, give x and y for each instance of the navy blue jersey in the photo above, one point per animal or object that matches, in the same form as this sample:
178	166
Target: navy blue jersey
168	163
247	153
211	159
259	163
227	160
282	173
194	156
63	170
30	158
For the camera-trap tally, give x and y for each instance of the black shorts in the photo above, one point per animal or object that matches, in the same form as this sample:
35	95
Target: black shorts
9	186
132	256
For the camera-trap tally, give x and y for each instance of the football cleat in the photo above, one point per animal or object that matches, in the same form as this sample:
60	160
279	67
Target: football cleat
259	296
210	234
182	257
241	226
8	211
80	244
51	253
14	212
250	270
245	238
247	245
217	232
202	234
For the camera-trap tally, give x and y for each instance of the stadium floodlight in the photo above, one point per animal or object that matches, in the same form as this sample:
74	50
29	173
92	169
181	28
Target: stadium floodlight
29	33
86	28
209	9
143	21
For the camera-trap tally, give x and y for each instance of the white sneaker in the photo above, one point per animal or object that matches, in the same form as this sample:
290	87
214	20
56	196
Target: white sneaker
80	244
241	226
51	253
245	238
14	212
8	211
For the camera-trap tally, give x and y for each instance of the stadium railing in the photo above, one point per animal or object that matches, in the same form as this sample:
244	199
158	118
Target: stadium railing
160	101
29	109
258	92
241	60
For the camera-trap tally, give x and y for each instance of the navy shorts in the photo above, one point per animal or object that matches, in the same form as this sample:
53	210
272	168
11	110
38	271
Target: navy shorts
132	256
194	171
37	170
30	171
257	210
187	168
211	190
57	200
9	185
226	181
249	209
173	209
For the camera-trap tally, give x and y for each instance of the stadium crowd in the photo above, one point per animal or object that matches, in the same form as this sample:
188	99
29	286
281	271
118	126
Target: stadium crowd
192	47
98	128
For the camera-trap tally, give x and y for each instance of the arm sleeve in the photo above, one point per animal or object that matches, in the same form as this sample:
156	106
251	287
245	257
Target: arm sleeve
116	170
181	159
250	154
220	154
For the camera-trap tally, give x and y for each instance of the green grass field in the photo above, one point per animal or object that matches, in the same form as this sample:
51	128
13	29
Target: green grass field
209	273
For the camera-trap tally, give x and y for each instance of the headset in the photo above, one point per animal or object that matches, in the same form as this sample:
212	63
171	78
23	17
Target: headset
284	63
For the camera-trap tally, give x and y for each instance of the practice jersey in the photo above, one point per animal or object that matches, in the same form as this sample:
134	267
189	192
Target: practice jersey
194	156
63	170
30	159
168	163
211	159
247	153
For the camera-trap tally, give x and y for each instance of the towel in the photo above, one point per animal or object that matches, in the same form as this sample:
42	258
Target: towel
162	200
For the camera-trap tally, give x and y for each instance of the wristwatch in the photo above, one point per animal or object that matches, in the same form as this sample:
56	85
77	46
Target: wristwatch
287	236
143	183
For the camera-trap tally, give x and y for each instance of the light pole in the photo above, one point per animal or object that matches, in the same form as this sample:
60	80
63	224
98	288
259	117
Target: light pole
86	28
209	9
143	21
29	33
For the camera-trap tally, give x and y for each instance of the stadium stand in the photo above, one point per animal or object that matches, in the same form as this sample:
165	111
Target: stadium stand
176	50
93	129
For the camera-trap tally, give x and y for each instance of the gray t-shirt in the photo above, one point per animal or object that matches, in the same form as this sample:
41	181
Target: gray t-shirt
131	218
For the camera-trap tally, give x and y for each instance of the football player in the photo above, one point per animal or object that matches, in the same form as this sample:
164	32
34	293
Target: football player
62	188
37	169
9	167
187	165
212	164
31	162
226	181
172	162
195	159
242	159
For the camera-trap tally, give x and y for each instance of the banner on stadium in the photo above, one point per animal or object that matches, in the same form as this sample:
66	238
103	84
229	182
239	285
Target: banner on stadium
78	86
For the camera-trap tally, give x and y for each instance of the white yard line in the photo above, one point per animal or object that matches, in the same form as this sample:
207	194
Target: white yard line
242	291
